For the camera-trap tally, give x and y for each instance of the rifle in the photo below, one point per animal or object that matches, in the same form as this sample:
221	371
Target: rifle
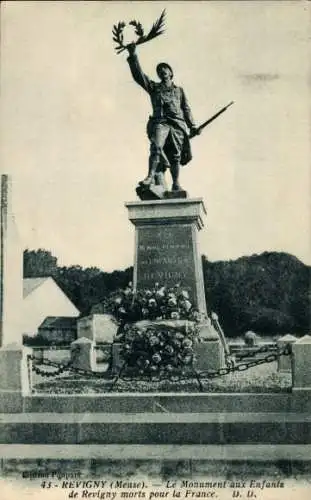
203	125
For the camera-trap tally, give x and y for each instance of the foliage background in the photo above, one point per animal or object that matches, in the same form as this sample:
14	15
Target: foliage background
268	293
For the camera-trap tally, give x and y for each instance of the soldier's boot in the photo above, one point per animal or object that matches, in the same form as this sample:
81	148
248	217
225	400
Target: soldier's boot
175	167
153	164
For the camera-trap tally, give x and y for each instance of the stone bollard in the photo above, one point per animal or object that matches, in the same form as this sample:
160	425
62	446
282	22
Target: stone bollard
301	367
38	354
285	362
209	351
250	339
15	377
82	354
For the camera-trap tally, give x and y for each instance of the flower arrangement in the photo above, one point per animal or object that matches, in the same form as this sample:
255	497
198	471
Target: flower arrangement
157	303
157	329
158	350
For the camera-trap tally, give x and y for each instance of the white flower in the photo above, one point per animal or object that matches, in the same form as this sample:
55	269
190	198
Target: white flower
186	304
156	358
185	294
118	300
172	302
187	343
169	349
153	340
160	293
175	315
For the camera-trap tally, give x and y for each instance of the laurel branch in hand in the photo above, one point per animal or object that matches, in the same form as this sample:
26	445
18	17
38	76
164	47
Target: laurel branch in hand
156	30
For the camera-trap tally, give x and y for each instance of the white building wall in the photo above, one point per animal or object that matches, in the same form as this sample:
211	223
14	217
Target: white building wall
46	300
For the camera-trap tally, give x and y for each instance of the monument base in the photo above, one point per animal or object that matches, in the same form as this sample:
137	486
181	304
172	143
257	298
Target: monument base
158	192
166	248
166	254
152	192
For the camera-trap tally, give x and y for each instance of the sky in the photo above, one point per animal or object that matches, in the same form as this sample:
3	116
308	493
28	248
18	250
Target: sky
72	123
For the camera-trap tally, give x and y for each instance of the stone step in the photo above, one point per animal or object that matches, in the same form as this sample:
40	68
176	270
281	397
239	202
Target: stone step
155	428
165	402
225	453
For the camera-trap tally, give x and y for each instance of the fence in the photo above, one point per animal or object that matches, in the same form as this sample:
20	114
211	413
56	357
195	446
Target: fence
93	361
17	363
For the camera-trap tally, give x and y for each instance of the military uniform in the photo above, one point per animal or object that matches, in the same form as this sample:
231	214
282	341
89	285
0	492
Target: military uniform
167	127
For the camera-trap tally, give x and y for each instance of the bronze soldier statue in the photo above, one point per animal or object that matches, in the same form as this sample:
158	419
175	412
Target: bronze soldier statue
167	128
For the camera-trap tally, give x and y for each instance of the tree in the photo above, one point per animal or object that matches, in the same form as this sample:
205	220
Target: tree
266	293
39	263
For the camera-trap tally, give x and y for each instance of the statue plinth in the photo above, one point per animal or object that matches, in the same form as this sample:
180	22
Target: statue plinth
154	192
166	246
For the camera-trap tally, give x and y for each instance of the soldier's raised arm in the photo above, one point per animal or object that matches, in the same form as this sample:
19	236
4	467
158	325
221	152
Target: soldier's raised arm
137	73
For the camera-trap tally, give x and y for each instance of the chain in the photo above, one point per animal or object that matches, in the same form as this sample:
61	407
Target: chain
250	364
231	368
225	370
61	368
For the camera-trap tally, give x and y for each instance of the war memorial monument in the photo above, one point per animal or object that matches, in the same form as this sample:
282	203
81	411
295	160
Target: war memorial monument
167	220
113	425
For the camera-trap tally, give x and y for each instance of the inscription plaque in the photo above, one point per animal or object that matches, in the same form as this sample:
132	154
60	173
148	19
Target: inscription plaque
165	255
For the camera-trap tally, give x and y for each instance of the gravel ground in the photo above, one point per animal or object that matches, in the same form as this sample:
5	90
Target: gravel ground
260	379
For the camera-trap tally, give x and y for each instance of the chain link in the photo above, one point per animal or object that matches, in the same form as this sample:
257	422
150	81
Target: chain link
231	368
250	364
60	368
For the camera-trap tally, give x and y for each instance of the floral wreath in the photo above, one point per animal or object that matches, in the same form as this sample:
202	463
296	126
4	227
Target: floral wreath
158	328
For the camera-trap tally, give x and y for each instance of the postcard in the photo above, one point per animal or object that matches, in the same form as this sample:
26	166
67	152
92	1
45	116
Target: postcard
155	250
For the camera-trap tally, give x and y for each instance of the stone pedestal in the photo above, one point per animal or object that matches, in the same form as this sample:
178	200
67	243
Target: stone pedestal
38	354
302	364
209	351
82	354
15	376
285	362
99	328
166	247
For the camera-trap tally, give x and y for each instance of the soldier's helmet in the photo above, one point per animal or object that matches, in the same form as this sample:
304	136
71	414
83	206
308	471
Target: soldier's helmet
164	65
